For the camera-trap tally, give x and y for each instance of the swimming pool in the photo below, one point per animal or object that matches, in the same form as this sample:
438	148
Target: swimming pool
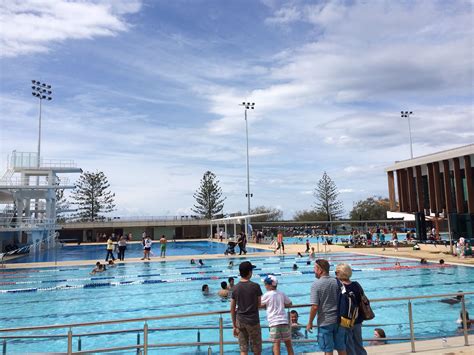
134	250
70	294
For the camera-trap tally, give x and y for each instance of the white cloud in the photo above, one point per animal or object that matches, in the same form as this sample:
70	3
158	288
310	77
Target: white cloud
30	26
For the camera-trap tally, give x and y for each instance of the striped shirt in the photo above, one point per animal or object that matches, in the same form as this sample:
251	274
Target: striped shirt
325	293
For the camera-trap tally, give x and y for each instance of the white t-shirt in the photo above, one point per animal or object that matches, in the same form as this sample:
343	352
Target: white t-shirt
275	301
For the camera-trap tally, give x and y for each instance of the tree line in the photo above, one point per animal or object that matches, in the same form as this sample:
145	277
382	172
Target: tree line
93	199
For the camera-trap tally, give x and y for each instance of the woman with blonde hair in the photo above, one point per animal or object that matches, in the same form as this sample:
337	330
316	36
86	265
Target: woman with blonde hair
354	343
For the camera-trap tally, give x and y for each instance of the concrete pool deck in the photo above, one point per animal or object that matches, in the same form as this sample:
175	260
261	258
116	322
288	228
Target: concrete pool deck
429	252
453	346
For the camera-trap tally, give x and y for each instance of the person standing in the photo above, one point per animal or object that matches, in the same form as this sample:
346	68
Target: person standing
324	299
281	245
354	343
163	242
122	246
275	302
244	304
110	249
147	248
308	246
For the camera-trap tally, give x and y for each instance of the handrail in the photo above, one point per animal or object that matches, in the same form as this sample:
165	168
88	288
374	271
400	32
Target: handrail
201	314
145	330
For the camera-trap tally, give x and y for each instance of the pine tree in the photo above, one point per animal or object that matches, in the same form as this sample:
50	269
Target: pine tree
208	197
326	199
92	196
62	205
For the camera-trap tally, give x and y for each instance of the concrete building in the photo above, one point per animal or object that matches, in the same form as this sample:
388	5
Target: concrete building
436	185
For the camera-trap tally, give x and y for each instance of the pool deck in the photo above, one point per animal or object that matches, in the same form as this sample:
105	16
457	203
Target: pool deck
453	346
429	252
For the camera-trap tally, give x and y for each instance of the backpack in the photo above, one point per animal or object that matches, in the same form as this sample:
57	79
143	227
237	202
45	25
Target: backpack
348	309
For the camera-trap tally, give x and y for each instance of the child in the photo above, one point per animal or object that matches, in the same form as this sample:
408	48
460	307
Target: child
275	303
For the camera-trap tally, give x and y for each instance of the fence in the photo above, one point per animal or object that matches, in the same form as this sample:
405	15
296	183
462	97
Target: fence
144	345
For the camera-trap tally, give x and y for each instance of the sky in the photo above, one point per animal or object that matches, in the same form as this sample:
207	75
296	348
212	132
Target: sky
148	92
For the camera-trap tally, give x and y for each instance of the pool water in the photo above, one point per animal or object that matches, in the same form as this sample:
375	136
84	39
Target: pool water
70	294
134	250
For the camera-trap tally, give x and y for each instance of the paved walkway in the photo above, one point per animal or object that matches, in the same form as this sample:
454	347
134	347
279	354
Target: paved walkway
429	252
453	346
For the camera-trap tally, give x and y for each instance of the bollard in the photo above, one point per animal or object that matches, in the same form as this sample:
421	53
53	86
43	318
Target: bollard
138	343
79	344
464	321
412	331
4	351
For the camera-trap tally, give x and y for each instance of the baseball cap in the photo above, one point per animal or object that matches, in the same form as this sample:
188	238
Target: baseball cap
245	267
271	280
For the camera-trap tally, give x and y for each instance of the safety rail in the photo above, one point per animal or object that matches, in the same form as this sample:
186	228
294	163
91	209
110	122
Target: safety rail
33	182
145	345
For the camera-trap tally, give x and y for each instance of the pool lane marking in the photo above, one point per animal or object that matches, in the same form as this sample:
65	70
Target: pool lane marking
187	279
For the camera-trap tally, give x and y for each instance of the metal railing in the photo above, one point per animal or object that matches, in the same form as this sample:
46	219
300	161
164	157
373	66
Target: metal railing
142	347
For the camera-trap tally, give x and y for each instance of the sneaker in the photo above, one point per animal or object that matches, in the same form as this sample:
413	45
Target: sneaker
142	259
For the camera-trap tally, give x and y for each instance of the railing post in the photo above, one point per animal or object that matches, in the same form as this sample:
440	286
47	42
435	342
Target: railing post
412	330
464	321
79	344
69	342
221	336
145	339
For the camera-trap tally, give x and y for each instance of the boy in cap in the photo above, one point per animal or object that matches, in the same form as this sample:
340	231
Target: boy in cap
275	302
244	304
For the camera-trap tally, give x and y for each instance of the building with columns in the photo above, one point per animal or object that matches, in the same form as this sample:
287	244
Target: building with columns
436	185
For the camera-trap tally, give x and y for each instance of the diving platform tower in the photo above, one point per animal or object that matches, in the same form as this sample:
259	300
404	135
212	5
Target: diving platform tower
28	194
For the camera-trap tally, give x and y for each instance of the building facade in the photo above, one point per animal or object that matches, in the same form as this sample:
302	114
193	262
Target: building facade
436	185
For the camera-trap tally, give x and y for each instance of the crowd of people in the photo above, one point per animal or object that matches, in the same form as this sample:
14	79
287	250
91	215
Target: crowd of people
326	304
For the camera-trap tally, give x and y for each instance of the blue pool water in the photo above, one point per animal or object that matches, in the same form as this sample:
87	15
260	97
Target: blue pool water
70	294
135	250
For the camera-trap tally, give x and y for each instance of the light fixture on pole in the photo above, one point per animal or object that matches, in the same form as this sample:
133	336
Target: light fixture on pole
41	91
407	114
248	106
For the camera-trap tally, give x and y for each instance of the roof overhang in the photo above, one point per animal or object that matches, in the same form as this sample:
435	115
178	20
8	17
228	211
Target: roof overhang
431	158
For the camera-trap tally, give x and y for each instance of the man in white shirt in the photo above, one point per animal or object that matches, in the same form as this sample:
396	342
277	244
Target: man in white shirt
275	302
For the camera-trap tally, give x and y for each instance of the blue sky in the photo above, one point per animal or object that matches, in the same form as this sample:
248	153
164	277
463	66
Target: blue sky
148	92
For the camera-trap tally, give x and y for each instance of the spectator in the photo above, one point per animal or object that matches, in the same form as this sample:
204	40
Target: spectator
354	343
275	302
246	299
325	293
110	249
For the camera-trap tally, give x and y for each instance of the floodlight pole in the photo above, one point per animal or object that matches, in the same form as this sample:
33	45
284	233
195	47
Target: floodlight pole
247	106
43	92
406	114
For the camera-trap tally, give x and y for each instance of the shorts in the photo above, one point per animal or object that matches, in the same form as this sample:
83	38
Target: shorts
280	332
163	247
147	249
332	337
252	333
